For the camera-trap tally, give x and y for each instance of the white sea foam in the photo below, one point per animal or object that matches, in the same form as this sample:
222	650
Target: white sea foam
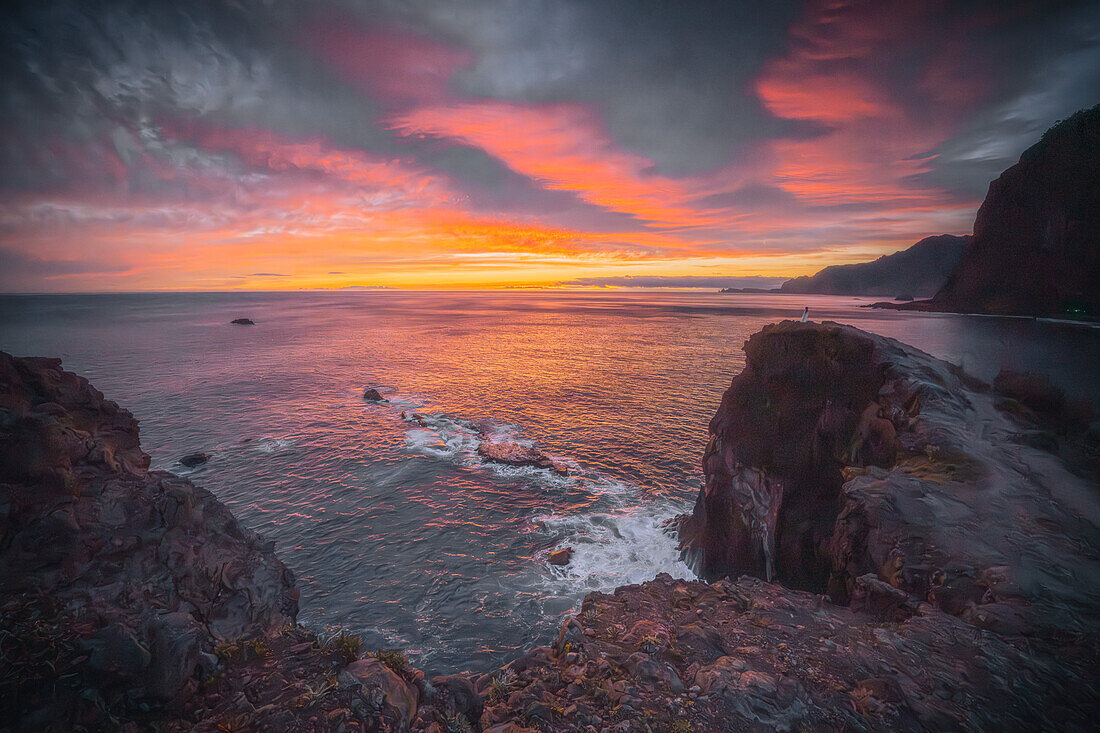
272	445
610	550
624	543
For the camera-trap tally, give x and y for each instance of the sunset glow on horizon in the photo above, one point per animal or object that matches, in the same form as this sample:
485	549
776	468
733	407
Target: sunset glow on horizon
411	145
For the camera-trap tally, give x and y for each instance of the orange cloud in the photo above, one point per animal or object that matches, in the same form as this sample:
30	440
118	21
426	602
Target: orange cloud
563	147
840	71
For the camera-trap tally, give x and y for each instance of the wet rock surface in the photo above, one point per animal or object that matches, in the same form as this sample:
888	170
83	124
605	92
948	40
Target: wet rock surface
373	395
243	322
561	557
518	453
191	460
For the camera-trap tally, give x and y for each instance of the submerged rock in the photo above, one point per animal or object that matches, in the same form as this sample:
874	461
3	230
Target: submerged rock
243	322
194	459
415	417
373	395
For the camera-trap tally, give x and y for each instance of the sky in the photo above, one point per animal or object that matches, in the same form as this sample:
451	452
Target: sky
268	145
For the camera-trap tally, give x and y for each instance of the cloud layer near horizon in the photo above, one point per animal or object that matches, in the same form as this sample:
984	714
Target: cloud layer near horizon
275	145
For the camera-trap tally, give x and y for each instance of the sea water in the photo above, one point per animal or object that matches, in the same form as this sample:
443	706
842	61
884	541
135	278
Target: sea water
396	528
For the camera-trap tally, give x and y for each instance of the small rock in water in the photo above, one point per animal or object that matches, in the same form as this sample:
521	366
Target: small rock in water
561	557
373	395
243	322
414	417
194	459
513	453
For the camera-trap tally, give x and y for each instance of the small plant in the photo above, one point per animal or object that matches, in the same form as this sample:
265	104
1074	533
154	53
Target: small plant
242	650
228	651
681	726
343	644
257	649
458	724
500	686
651	643
397	662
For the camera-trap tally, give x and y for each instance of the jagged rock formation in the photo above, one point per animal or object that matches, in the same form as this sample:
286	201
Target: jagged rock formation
1036	245
515	453
132	596
153	568
920	270
838	455
674	655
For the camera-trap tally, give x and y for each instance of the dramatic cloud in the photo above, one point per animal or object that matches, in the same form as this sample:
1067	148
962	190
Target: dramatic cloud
412	143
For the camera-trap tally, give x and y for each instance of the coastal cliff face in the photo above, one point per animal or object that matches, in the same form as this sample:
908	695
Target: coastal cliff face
1036	245
837	453
919	271
148	571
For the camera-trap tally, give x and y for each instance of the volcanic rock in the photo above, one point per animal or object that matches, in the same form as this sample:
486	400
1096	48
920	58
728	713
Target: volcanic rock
373	395
243	322
750	655
147	569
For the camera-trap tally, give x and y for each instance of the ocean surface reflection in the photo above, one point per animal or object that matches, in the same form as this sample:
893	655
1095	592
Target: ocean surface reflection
398	530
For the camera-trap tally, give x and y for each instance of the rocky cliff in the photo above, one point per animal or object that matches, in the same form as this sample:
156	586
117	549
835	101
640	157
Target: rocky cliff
132	599
1036	244
919	271
932	543
839	458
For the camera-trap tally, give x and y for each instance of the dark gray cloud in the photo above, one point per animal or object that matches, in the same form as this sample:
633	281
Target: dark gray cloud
18	268
672	78
1042	68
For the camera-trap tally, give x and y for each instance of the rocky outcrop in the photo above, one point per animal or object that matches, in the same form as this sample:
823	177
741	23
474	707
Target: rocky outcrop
243	322
150	570
1036	244
513	452
838	457
373	395
674	655
922	270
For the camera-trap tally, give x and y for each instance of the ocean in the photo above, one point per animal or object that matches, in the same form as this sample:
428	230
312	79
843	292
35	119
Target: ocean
396	528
